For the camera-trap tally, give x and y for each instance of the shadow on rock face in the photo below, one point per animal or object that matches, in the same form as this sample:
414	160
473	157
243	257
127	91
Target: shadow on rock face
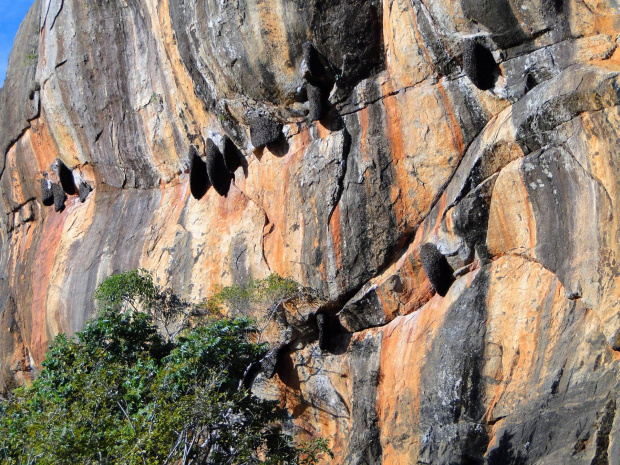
233	158
504	454
320	80
66	177
333	337
279	147
498	17
333	121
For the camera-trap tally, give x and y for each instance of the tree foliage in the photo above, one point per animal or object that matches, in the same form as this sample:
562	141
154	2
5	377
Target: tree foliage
135	290
257	293
121	393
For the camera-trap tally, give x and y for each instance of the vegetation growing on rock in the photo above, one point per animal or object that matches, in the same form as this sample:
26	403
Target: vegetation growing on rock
256	293
122	392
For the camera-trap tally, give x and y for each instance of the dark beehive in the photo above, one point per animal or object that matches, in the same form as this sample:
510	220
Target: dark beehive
59	197
314	65
479	64
83	191
232	155
264	131
198	177
318	102
66	177
437	268
219	176
47	195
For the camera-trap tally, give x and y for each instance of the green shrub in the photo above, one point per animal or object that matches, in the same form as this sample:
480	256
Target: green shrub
257	293
31	58
122	393
135	290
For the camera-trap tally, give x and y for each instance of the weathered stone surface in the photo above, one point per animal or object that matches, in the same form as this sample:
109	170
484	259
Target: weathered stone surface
233	158
517	185
19	96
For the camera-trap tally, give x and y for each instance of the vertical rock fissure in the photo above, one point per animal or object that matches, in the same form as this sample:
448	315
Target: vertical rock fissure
62	3
601	456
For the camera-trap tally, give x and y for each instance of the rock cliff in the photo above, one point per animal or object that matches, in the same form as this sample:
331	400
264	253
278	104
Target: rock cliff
358	133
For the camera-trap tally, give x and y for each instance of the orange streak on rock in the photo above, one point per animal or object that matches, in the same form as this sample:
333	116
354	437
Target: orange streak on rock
46	255
405	342
334	228
395	135
455	127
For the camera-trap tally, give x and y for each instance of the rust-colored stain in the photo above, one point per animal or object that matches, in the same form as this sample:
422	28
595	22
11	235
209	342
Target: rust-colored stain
52	227
455	127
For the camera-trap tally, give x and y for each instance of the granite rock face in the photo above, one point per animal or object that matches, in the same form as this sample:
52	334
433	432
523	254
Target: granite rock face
517	186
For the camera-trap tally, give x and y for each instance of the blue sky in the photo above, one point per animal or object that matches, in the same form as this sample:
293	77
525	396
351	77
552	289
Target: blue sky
12	13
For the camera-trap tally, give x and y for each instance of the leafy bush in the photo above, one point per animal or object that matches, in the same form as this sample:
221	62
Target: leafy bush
135	291
259	298
133	288
122	393
257	293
